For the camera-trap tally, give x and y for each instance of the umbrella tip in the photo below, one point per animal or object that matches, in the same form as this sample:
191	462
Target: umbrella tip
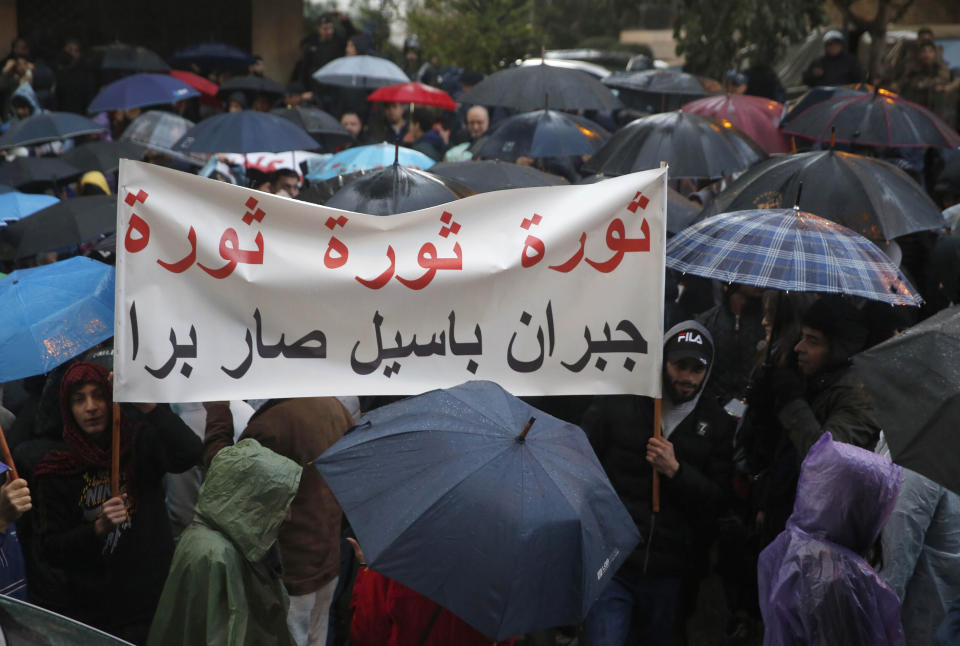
796	203
526	429
833	136
396	153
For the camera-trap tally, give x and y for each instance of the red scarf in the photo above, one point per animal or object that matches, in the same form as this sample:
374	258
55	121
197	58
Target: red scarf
84	453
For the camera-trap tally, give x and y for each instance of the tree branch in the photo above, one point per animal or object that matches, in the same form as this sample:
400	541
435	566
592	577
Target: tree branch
900	10
848	14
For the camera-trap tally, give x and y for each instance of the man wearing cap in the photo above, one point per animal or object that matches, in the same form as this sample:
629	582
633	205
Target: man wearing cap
836	66
822	393
693	459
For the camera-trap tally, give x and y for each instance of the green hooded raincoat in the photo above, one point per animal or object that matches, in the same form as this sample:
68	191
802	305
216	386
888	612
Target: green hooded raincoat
221	588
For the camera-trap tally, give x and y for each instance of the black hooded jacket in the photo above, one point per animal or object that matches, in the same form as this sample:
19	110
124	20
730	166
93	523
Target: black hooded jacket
619	428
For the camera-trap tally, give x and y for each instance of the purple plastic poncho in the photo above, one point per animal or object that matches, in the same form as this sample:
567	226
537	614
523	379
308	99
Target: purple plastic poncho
815	588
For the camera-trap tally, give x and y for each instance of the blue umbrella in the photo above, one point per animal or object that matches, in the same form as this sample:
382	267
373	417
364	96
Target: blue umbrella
141	90
542	133
510	526
212	54
16	205
245	132
789	250
48	126
52	313
367	158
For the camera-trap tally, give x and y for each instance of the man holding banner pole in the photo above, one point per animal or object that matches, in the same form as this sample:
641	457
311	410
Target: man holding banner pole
693	462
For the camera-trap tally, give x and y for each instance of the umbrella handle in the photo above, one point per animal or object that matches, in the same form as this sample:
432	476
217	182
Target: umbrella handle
115	453
657	410
7	457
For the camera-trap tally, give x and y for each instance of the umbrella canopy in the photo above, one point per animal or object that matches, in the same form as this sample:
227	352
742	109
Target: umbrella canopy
64	224
821	93
360	71
141	90
541	86
52	313
396	189
212	54
878	119
874	198
659	90
755	116
103	156
509	533
368	158
914	382
6	189
256	84
694	146
124	58
789	250
16	205
414	92
23	624
681	212
495	175
203	86
244	132
30	171
542	133
322	126
159	131
48	126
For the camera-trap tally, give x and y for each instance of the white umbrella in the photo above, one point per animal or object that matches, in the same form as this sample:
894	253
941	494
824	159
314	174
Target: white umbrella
360	71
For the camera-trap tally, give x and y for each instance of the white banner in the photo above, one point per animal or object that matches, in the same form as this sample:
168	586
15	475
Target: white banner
225	292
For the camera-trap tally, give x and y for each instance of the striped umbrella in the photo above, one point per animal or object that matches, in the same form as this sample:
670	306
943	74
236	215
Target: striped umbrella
789	250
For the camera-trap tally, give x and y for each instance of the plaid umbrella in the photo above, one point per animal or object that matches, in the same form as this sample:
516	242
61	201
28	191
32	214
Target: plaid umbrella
789	250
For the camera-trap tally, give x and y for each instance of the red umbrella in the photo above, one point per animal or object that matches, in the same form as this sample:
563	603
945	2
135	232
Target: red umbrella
756	116
208	89
414	92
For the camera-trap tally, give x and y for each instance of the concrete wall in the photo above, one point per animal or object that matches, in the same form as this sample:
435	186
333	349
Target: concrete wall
277	27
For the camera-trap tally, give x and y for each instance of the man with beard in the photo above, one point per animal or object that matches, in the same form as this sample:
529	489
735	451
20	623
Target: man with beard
693	459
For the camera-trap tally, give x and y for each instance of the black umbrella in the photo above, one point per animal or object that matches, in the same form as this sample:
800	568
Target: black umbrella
28	171
821	93
65	224
878	119
24	624
495	175
914	382
103	156
659	90
257	84
542	133
124	58
322	126
681	212
244	132
541	86
693	145
394	189
212	54
48	126
874	198
6	189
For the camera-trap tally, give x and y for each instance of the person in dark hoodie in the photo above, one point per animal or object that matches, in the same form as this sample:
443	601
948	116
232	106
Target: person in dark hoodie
114	549
836	66
694	462
822	393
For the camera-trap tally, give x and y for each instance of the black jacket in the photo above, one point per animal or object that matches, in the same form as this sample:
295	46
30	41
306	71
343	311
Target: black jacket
113	587
842	69
619	428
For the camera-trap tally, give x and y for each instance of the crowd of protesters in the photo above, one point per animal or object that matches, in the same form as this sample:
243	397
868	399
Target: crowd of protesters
771	452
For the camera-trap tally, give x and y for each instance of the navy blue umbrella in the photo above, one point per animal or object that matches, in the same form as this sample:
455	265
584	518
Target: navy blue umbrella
510	526
212	54
48	126
542	133
245	132
141	90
